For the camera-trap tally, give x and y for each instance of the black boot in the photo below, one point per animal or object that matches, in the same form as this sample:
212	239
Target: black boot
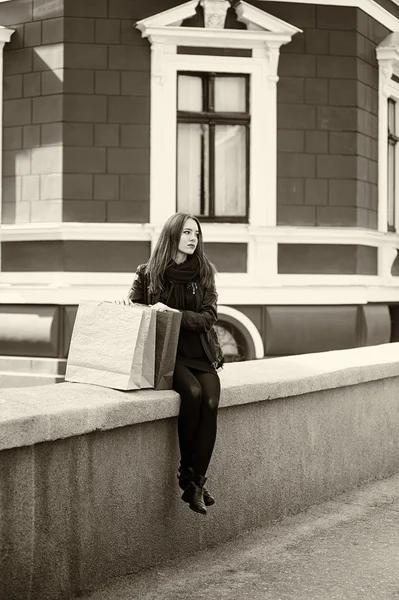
184	476
208	498
194	494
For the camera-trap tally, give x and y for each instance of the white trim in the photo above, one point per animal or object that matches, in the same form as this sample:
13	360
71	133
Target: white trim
253	294
374	10
256	18
262	246
263	181
249	326
264	36
168	17
388	64
215	38
76	231
213	232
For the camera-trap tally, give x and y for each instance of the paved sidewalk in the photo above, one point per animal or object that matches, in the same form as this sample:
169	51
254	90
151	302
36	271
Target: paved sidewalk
345	549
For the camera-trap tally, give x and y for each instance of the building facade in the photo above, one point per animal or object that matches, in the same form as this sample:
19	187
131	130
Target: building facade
276	122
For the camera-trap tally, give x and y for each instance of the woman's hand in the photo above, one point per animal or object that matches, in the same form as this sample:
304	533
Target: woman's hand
159	306
124	301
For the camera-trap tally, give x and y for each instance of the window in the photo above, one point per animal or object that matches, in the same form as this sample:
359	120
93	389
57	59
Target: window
392	159
213	140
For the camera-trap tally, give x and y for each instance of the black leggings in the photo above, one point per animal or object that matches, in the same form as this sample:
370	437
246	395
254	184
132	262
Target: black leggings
197	423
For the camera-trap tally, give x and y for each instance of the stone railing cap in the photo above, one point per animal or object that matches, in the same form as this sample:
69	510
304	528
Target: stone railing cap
44	413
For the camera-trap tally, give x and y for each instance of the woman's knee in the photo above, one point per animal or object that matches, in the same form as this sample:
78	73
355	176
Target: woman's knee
196	394
211	404
191	395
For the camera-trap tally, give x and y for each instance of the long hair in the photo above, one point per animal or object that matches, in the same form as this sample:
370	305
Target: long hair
166	249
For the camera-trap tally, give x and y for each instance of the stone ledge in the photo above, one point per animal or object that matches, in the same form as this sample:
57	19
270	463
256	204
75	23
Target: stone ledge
39	414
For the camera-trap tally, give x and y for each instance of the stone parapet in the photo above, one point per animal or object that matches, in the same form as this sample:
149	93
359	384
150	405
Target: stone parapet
43	414
82	466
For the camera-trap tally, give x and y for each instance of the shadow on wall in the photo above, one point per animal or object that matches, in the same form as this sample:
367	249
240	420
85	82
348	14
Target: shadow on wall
32	136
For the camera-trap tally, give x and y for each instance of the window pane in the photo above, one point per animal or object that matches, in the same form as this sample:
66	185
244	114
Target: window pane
189	93
391	208
230	94
391	115
230	170
192	169
391	186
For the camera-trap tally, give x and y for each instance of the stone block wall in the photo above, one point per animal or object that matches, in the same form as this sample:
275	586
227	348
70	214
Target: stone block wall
107	111
76	111
33	112
328	117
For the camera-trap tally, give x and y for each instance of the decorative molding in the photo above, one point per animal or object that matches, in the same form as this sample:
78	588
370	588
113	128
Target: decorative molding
388	61
76	231
213	232
257	19
5	33
237	315
168	18
215	12
262	29
214	38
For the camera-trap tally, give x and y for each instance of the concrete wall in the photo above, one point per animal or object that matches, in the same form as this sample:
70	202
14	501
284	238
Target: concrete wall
88	486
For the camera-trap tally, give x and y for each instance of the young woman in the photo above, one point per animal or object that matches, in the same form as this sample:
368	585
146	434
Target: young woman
179	276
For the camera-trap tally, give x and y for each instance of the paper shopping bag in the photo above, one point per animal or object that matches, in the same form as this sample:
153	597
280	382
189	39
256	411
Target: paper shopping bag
113	346
167	337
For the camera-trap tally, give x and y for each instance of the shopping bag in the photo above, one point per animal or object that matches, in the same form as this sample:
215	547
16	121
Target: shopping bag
113	345
167	337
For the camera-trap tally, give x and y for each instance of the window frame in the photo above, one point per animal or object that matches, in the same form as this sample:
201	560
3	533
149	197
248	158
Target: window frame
388	65
263	142
263	36
391	92
213	118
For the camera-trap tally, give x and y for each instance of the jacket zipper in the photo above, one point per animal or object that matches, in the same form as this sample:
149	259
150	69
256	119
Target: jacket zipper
206	348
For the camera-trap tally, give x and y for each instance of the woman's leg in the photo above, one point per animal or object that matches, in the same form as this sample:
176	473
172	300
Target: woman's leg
207	427
189	388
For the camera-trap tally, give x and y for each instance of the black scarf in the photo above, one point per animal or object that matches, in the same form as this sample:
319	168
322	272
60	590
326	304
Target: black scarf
178	279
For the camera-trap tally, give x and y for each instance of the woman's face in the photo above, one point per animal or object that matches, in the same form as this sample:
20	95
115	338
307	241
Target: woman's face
189	237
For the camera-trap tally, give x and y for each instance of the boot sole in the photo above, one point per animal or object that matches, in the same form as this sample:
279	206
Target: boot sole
186	498
199	512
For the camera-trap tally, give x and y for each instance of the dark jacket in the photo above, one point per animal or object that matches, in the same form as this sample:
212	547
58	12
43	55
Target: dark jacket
202	320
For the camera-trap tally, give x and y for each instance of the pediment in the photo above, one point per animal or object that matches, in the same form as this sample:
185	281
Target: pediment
254	18
170	18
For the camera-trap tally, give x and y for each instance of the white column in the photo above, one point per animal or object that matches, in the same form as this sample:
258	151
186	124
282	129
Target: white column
163	117
263	200
262	257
